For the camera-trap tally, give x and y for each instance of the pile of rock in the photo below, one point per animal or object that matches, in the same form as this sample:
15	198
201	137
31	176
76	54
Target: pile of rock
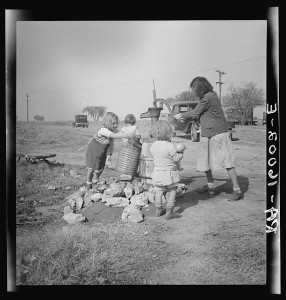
113	193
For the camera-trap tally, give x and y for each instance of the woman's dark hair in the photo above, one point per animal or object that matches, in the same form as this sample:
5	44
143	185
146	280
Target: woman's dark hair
130	119
201	86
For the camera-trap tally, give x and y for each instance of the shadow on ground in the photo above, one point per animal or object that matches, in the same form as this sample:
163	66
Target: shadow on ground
192	197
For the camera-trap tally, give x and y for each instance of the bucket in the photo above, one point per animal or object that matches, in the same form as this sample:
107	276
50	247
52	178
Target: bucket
146	166
128	160
146	163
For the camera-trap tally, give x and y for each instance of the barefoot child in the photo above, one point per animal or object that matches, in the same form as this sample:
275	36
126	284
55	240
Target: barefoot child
165	175
130	127
99	144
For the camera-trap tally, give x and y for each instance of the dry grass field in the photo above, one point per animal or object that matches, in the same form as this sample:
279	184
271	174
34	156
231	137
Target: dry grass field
214	243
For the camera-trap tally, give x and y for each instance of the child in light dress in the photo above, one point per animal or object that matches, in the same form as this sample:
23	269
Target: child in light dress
130	127
99	144
165	176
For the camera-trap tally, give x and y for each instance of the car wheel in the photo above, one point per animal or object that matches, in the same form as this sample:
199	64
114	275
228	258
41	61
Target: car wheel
194	134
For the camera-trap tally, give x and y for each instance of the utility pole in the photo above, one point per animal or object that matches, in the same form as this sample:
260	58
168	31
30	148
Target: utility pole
154	95
219	82
27	108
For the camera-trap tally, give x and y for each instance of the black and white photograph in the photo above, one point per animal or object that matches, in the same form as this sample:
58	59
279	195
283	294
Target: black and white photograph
143	152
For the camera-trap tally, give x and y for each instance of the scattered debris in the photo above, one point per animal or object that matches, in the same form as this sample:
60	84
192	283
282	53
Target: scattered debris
79	203
114	192
67	210
101	188
75	201
128	191
132	213
150	196
141	200
72	218
82	191
96	197
138	189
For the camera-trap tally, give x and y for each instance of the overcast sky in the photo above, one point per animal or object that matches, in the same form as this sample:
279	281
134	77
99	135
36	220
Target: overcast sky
66	65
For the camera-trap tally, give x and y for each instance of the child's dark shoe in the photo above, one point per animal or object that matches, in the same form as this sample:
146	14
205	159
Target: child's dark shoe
206	190
159	211
170	214
236	195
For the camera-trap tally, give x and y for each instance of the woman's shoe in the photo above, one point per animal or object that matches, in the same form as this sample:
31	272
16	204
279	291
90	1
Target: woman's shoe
236	195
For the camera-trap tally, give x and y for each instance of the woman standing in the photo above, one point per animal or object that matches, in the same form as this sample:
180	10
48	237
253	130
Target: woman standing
216	150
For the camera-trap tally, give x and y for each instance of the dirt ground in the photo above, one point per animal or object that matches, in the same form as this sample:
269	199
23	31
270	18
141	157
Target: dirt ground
209	226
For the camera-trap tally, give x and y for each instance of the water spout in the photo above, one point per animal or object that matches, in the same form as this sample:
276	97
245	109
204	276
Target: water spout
154	112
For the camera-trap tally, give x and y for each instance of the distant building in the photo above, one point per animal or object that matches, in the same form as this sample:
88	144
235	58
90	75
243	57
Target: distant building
253	117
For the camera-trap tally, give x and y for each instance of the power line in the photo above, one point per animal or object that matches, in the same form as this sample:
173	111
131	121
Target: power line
239	62
149	79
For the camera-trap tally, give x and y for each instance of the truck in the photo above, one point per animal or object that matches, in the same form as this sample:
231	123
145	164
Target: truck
80	121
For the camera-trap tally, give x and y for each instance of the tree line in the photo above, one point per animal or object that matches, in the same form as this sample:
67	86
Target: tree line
95	111
238	102
39	118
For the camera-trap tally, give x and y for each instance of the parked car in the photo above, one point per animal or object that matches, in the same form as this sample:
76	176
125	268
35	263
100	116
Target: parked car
80	121
188	127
